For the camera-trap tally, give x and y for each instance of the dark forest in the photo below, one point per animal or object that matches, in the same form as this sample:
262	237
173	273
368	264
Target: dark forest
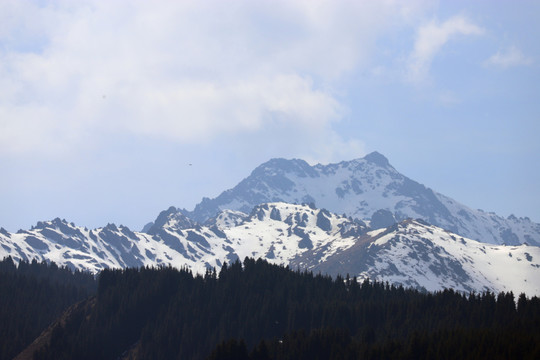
255	310
32	296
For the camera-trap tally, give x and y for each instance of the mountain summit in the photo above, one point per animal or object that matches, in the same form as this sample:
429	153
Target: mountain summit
377	158
359	188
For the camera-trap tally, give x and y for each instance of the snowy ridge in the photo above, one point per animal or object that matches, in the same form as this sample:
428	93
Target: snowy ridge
275	232
279	232
359	188
412	253
416	254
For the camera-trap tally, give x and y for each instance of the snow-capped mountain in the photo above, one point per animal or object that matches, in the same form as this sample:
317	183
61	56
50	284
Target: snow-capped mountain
276	232
80	248
272	215
415	254
411	252
359	188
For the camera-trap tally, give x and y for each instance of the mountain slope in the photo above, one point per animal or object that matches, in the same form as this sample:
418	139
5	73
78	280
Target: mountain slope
411	253
359	188
416	254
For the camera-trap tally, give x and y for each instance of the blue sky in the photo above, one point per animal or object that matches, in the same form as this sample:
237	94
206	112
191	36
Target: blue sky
105	104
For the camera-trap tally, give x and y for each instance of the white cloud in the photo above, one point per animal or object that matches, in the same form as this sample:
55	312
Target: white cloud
185	71
190	110
508	58
430	38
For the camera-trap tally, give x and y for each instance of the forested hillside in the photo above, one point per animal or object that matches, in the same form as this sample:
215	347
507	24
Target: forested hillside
32	296
260	311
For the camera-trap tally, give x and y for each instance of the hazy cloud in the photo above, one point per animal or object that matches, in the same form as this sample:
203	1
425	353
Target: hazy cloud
430	38
508	58
185	71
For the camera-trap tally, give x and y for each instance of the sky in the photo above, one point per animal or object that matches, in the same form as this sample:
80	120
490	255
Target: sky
112	111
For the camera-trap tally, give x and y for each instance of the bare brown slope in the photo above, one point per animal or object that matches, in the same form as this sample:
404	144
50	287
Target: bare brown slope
44	338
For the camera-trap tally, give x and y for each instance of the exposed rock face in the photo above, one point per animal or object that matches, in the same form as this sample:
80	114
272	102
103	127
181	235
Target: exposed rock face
382	219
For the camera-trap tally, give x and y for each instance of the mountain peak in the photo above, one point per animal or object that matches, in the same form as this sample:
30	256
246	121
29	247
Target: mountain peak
171	217
280	165
359	188
377	158
4	232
